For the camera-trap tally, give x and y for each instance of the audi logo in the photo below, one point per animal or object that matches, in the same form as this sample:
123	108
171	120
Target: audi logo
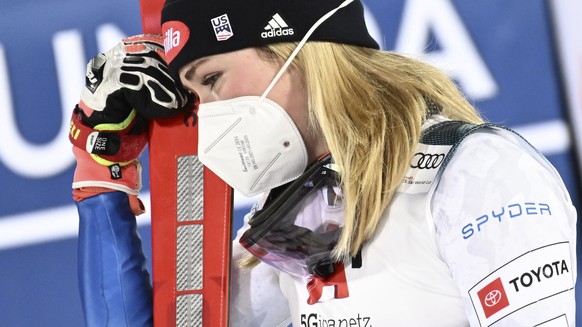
426	160
492	298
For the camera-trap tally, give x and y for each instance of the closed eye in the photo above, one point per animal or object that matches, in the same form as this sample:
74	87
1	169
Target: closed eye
211	79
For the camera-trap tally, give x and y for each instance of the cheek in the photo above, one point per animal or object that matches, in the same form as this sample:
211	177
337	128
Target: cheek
247	79
229	89
238	88
292	96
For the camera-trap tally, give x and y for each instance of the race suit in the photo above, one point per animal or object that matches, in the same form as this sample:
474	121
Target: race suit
480	233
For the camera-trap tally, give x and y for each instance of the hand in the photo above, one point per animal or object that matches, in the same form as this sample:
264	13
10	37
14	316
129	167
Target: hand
133	75
123	88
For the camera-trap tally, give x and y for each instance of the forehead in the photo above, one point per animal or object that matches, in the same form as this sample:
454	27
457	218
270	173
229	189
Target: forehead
240	57
189	70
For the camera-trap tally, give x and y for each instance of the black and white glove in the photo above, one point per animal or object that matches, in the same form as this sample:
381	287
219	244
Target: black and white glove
124	87
133	75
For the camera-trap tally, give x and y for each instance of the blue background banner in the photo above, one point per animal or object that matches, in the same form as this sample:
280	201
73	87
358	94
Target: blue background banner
502	54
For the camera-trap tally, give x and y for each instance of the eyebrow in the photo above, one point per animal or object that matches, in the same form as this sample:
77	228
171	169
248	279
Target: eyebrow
192	69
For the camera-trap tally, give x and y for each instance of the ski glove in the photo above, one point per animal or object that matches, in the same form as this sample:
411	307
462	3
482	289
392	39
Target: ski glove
124	87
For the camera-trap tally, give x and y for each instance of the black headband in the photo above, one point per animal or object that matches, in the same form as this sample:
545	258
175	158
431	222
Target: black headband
194	29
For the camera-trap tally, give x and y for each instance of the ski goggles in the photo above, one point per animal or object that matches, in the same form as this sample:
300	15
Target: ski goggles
298	228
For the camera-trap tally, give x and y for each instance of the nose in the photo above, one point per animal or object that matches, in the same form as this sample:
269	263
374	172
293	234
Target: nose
207	97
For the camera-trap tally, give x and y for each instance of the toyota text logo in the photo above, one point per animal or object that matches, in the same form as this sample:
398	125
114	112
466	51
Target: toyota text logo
492	298
426	160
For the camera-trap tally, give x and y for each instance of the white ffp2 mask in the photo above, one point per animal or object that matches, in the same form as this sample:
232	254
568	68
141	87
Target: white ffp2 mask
251	143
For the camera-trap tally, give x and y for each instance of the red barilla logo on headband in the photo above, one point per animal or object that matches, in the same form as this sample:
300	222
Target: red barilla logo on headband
176	35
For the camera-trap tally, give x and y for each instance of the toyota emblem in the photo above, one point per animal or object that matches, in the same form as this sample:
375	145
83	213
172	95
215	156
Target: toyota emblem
492	298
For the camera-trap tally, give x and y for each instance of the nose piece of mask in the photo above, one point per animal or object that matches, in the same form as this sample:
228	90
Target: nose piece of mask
251	143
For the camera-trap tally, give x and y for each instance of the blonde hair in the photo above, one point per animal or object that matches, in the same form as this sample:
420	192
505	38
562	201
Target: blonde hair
369	105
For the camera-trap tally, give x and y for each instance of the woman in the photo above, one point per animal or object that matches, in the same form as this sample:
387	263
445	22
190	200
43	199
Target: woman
380	208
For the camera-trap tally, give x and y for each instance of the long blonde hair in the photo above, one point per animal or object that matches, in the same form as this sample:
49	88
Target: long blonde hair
369	105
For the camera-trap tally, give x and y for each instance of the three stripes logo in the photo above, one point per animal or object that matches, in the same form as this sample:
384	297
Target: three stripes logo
276	27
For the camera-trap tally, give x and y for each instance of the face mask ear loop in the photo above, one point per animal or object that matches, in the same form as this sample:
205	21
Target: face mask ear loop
300	45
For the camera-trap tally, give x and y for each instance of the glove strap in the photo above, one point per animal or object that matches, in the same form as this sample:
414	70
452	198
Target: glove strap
107	143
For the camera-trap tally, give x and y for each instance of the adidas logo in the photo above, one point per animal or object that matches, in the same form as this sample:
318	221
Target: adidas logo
276	27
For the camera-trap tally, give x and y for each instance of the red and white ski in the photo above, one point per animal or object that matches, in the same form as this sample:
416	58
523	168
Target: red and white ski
191	220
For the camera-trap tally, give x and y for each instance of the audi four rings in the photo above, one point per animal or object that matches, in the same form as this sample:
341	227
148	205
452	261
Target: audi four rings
426	160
